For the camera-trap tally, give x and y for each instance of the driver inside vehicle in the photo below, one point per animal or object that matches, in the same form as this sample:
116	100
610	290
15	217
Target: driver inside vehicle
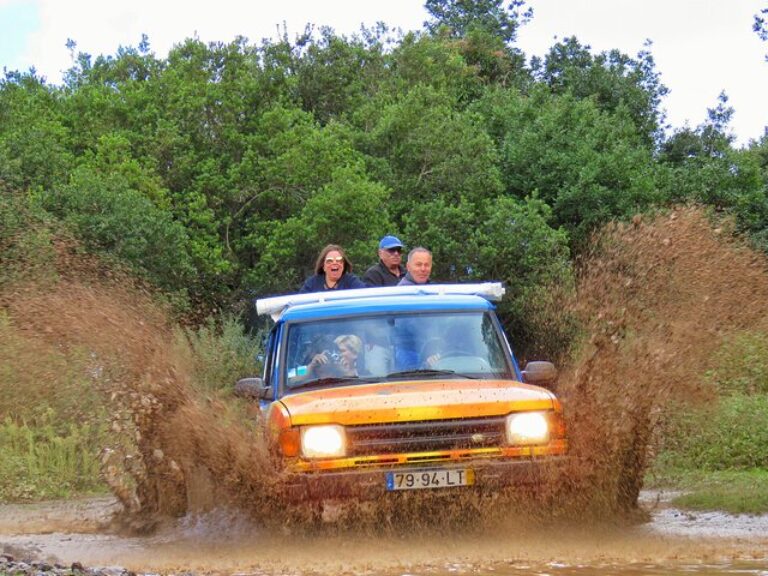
431	352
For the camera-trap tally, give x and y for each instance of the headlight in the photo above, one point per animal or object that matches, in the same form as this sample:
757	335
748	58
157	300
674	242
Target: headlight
527	428
328	441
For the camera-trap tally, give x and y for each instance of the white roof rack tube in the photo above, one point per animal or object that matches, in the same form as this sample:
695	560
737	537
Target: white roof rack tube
275	305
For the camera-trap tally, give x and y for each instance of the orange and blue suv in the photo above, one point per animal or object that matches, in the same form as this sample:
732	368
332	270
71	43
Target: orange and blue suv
370	392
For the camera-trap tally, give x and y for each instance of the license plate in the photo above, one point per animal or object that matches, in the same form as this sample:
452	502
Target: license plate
430	479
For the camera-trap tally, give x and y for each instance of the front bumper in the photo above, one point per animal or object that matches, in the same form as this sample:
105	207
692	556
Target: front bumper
368	484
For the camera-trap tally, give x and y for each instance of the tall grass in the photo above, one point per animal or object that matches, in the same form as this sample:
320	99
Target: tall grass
54	411
718	453
41	462
221	352
731	435
52	419
741	365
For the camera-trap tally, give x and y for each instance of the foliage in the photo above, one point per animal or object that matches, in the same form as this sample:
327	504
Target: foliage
612	80
33	136
589	166
110	216
731	435
700	165
220	170
433	153
425	62
41	463
336	75
741	365
461	17
221	353
288	249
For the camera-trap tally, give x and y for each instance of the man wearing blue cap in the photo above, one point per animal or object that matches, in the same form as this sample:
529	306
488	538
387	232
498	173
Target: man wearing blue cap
389	270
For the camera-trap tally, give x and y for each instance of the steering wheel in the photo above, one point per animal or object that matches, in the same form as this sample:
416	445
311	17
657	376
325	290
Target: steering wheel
430	348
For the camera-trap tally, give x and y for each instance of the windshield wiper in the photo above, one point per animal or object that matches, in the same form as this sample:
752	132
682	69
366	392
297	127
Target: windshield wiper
430	372
332	380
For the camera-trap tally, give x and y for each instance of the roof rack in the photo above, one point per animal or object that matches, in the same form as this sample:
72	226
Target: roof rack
275	305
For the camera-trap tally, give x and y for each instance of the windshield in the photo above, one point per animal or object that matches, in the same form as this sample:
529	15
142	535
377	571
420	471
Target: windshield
391	347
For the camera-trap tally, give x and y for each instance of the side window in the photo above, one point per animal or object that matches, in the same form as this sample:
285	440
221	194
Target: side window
269	359
496	341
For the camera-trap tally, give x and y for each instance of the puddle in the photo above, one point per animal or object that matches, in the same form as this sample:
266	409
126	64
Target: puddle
228	542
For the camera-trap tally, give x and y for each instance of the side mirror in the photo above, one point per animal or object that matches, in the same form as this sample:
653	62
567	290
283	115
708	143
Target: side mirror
539	373
250	388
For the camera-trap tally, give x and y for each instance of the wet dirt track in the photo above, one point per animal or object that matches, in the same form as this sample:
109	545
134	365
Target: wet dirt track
222	542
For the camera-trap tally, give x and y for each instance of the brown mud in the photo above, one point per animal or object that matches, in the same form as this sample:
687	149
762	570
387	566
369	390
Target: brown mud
656	298
230	542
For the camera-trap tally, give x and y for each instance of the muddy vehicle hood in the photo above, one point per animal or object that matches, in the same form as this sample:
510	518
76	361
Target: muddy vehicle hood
415	400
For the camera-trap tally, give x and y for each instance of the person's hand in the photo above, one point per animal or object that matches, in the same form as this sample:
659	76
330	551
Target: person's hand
318	360
432	361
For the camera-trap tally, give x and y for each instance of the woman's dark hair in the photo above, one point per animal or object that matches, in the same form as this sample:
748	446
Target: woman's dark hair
324	252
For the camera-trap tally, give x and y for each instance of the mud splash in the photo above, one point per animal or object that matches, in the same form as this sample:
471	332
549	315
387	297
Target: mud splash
655	298
169	442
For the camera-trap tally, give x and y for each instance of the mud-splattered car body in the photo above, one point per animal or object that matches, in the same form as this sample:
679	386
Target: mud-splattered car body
436	399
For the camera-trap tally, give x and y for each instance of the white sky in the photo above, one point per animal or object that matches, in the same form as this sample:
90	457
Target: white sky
701	47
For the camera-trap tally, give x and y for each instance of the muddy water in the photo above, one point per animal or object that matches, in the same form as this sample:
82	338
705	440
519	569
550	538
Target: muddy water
656	298
230	542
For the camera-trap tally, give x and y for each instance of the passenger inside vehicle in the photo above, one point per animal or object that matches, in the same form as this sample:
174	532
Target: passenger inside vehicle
377	349
328	357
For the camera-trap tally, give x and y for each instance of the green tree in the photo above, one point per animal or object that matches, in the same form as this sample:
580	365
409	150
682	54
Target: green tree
115	219
432	151
588	165
419	61
34	139
335	75
700	165
611	79
350	210
460	17
509	240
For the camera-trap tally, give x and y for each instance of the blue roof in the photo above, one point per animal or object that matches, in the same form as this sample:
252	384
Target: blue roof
383	304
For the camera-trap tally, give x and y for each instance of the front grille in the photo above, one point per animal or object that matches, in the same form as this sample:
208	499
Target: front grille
425	436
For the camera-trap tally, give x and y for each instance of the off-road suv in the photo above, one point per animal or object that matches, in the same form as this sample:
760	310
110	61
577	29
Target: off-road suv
369	392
